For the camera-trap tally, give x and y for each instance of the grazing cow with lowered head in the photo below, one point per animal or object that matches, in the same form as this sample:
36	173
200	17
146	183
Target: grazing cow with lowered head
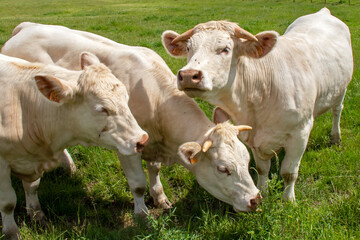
276	84
179	131
45	108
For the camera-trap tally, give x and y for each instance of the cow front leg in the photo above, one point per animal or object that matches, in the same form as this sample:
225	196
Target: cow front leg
7	203
263	169
137	181
33	208
155	186
294	150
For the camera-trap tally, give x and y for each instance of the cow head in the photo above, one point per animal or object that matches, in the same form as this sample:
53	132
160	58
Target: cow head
212	51
220	163
97	105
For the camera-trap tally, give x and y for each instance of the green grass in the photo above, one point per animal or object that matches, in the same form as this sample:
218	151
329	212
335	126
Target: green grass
96	202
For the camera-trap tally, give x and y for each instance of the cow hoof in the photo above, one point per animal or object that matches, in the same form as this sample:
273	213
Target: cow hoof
12	235
335	140
141	215
165	204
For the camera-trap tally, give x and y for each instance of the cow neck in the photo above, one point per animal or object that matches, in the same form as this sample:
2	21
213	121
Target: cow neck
45	124
181	121
246	96
48	125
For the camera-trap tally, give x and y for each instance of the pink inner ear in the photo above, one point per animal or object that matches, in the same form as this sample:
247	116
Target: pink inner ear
220	116
267	42
54	97
176	51
48	89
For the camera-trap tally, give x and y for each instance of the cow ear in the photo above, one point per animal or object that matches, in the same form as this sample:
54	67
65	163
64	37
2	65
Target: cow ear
258	49
88	59
188	152
54	89
177	49
220	116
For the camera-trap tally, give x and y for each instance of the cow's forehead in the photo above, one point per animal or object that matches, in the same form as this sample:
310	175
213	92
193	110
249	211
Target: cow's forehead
99	78
209	38
99	82
216	25
224	133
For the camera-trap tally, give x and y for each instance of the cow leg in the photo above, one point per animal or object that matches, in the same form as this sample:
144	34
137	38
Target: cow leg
294	150
7	203
155	186
33	208
335	130
67	162
137	181
263	169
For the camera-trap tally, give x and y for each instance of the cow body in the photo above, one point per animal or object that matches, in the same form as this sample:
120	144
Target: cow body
41	114
276	84
179	131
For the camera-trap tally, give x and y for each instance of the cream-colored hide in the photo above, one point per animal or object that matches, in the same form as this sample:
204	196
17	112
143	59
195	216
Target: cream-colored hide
276	84
45	108
170	117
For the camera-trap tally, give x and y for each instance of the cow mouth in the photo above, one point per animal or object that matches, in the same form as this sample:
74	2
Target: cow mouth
194	90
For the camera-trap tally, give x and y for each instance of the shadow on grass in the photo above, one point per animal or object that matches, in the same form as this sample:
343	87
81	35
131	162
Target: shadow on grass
72	212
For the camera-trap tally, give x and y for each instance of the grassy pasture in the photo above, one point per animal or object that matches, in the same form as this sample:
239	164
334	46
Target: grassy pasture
96	202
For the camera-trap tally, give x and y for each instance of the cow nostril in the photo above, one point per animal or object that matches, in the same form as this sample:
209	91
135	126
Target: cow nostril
255	202
142	143
197	77
179	76
139	147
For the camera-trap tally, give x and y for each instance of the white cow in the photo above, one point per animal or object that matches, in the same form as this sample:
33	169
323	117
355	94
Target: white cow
45	108
179	131
276	84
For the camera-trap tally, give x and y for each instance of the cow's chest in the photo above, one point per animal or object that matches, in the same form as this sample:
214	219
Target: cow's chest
160	152
30	168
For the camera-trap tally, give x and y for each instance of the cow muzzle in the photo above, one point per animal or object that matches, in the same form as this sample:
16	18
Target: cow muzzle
190	79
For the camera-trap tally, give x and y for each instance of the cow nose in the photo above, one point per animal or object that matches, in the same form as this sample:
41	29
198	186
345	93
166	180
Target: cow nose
142	143
254	203
190	76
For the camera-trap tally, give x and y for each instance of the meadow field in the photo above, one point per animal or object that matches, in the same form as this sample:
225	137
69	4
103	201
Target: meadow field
96	202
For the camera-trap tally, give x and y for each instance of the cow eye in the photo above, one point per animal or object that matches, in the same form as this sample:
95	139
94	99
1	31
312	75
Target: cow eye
104	110
226	50
223	169
187	49
101	109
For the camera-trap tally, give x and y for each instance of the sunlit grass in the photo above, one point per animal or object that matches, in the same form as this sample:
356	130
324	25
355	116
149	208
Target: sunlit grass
96	202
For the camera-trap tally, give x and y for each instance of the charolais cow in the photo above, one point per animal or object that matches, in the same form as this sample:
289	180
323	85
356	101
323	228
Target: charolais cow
179	131
276	84
45	108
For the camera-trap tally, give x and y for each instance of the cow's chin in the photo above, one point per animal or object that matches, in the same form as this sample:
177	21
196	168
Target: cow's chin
194	92
243	210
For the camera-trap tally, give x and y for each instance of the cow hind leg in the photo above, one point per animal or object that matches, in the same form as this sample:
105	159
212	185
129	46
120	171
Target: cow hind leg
156	188
335	130
137	181
7	203
33	208
294	150
67	162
